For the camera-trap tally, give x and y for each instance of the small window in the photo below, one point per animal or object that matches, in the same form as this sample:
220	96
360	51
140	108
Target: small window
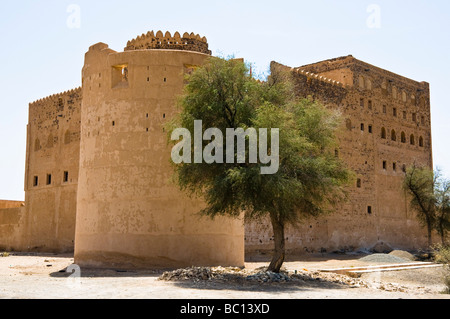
148	79
146	115
384	165
164	115
383	133
358	183
113	123
49	179
404	168
384	109
35	181
361	102
369	104
394	167
404	115
394	112
414	117
369	210
421	141
362	126
146	129
165	80
370	129
66	177
422	120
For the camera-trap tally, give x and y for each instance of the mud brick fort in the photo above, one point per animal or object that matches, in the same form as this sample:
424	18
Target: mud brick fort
97	178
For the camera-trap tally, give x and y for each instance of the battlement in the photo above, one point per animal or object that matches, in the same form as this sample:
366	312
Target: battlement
187	42
318	77
56	96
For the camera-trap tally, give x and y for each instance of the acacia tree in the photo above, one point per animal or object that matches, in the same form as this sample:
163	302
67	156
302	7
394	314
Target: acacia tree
430	196
442	193
310	177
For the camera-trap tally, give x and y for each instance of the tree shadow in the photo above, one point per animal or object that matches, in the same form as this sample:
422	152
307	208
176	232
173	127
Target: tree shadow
105	273
249	286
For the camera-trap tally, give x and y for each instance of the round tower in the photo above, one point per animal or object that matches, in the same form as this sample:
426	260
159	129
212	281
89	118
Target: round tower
129	213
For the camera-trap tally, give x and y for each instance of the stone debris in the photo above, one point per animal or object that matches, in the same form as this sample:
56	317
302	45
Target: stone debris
262	276
403	254
384	258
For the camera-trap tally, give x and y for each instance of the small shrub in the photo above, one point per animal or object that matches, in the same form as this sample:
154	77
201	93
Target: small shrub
5	254
442	256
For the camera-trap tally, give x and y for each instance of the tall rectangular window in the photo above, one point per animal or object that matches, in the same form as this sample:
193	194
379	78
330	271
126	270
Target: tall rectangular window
35	181
66	177
49	179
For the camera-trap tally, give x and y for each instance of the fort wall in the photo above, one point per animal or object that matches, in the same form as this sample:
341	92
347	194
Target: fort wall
383	132
53	143
129	213
11	228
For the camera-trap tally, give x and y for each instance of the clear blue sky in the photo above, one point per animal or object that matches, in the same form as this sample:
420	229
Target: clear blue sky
42	55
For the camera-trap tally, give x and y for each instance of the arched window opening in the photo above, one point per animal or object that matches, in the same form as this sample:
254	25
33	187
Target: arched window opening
421	141
403	137
393	135
383	133
412	140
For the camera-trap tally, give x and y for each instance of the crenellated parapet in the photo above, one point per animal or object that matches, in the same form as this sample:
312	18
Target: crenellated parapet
57	96
319	77
187	42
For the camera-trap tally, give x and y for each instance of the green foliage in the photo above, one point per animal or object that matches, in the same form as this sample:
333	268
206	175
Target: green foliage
419	182
310	177
430	197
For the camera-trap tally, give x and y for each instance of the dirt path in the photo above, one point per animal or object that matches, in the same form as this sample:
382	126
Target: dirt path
45	277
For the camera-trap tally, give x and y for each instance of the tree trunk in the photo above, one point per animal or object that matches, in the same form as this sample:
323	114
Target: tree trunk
278	237
430	229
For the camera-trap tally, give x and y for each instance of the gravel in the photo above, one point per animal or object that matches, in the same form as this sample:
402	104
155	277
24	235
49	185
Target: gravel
403	254
384	258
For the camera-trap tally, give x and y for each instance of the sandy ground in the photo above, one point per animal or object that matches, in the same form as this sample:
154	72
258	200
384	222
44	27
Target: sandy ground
26	276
